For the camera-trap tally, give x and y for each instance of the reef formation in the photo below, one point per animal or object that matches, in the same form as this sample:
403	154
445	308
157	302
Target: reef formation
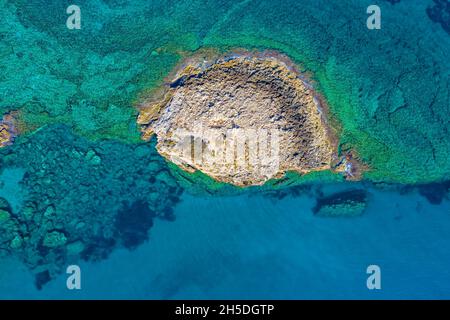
349	203
82	199
8	130
242	118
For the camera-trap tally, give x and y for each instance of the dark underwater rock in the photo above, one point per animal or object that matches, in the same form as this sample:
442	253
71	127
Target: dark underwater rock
41	278
75	194
4	205
342	204
54	239
98	248
10	230
133	222
435	192
440	13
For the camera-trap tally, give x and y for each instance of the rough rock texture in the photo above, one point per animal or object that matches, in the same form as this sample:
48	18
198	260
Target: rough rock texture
82	199
258	102
7	130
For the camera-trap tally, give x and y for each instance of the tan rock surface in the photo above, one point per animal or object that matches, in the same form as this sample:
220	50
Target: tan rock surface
7	130
242	120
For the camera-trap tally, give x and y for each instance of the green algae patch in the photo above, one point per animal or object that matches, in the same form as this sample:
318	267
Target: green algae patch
74	191
4	215
16	243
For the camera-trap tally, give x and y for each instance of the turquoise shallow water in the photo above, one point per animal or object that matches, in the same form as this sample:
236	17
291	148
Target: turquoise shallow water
255	247
388	88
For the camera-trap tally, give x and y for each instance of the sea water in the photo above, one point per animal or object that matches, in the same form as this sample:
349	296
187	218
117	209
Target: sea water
255	247
388	88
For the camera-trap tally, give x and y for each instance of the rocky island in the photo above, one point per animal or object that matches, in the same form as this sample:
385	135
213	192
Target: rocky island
243	118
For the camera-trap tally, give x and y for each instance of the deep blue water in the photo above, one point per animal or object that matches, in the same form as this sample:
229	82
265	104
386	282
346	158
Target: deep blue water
259	247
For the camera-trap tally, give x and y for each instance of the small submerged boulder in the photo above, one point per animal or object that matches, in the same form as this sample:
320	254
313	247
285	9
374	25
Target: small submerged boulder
54	239
4	215
75	248
348	203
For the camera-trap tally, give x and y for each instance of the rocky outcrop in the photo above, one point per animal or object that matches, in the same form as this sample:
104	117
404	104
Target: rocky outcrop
348	203
8	130
242	119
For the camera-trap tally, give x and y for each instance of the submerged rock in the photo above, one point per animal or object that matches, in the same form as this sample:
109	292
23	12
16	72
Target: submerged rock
75	248
16	242
4	215
132	224
54	239
440	13
8	130
76	207
242	119
342	204
42	278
